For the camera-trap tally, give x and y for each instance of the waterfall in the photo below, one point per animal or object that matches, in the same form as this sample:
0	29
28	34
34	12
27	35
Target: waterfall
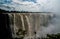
32	23
22	22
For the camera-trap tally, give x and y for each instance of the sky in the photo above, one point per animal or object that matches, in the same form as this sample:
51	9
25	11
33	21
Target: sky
30	5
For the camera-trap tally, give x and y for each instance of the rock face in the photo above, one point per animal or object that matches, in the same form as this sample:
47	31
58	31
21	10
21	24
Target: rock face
5	31
27	24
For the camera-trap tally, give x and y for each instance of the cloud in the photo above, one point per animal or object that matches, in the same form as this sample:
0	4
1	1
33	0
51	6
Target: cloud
39	6
22	2
29	6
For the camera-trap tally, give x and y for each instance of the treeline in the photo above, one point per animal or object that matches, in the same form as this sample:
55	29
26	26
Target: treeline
4	11
52	36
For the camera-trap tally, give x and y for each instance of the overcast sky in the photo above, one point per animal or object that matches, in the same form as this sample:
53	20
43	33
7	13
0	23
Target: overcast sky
31	5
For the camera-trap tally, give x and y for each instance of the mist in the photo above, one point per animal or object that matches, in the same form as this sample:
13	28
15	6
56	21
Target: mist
53	28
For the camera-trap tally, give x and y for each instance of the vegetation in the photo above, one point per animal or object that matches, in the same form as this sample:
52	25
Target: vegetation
53	36
4	11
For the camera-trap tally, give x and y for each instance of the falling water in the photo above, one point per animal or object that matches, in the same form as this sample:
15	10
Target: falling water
38	24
